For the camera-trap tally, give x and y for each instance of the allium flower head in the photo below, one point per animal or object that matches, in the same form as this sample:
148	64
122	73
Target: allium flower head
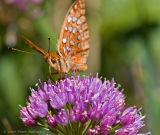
82	105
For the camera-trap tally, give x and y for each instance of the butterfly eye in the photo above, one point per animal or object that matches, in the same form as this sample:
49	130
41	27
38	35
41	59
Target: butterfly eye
53	61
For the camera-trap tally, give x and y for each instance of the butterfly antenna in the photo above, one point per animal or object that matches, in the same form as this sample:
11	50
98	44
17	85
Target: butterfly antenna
14	49
49	44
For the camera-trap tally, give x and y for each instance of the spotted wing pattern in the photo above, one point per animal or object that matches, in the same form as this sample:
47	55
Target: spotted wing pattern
74	36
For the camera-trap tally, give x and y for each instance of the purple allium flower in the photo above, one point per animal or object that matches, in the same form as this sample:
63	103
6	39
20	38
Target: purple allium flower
62	117
85	106
37	105
51	121
26	118
84	117
131	121
94	131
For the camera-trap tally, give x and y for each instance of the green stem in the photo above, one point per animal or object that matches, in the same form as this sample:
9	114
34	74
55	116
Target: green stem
87	127
112	131
45	126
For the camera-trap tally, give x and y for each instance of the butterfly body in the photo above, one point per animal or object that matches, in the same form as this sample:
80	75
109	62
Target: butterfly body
58	63
62	65
73	46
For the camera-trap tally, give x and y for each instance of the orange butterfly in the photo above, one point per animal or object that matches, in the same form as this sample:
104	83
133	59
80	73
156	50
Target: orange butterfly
73	46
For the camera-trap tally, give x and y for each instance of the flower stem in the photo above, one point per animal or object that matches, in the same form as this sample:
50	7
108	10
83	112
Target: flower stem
88	125
112	131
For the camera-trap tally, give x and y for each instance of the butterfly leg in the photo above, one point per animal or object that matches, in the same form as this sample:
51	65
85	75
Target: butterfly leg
61	74
71	68
76	70
49	69
49	76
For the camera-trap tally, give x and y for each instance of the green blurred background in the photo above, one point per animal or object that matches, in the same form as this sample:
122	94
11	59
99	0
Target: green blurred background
125	45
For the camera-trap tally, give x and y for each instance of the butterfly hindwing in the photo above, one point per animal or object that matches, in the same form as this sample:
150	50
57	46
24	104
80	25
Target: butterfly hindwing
74	36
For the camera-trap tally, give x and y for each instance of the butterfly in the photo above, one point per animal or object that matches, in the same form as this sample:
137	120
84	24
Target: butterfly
73	46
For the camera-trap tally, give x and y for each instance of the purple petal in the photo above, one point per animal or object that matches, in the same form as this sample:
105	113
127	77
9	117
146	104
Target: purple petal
62	117
26	118
51	121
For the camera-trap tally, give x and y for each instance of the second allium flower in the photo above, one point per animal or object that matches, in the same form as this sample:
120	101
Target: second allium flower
81	106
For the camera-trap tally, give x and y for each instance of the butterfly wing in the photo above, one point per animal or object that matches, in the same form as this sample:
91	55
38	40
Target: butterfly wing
73	41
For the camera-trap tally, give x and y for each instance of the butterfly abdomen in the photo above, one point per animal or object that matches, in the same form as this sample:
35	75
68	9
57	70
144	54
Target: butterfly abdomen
64	66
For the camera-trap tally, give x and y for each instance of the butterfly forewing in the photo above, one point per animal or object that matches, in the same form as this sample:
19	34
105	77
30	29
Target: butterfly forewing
73	41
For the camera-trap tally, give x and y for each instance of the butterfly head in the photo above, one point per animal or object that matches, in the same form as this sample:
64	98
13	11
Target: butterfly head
53	60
